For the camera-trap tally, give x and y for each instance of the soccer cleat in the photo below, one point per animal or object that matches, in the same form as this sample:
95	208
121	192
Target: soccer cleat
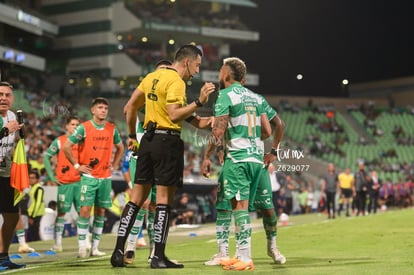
164	263
117	258
25	249
277	257
96	252
129	257
240	266
82	253
6	264
141	242
216	259
57	248
229	262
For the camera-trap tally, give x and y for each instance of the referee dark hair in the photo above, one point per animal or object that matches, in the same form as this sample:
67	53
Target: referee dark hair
161	151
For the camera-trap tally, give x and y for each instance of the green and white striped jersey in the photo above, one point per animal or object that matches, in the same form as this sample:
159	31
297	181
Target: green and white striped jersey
270	112
244	109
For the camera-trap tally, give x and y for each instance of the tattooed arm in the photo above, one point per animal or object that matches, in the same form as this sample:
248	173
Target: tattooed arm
215	140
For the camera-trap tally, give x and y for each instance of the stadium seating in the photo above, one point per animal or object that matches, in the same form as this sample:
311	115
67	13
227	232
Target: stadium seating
377	156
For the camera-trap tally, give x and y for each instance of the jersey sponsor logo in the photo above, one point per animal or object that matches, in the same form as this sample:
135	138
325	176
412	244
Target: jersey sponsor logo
100	138
96	148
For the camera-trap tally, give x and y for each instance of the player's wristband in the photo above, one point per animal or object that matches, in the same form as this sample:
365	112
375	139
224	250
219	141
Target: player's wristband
134	136
198	103
76	166
273	152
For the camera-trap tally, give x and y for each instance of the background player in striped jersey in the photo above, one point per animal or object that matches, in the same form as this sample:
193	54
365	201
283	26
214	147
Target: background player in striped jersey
262	202
67	178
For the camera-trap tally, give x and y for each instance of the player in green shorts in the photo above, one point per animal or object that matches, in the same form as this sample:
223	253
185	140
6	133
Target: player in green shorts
97	139
240	115
66	177
262	201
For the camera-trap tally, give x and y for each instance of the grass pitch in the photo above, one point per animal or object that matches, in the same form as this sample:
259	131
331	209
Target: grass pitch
376	244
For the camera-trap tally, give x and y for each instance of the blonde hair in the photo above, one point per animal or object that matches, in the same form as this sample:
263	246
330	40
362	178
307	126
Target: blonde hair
237	67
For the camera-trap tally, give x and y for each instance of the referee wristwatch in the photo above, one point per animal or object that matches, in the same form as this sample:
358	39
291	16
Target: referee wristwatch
198	103
273	152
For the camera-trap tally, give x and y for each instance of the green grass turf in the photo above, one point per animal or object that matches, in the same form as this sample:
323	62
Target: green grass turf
376	244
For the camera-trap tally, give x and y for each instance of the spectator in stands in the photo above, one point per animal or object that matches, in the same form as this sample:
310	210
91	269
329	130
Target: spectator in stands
36	207
361	187
374	186
311	197
330	184
37	163
290	186
401	194
303	200
389	193
409	189
398	131
184	214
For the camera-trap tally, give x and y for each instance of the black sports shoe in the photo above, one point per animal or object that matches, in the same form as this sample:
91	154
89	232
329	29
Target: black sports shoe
164	263
6	264
117	258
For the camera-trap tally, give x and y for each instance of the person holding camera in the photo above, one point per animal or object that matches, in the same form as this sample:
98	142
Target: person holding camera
10	211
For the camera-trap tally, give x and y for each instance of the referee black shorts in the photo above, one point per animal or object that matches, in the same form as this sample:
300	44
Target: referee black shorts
346	192
7	197
160	160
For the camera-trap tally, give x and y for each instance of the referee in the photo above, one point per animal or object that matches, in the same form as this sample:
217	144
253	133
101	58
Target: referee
161	151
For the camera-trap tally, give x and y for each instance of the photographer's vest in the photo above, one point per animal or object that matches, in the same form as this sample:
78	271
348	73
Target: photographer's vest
65	172
36	203
119	202
96	150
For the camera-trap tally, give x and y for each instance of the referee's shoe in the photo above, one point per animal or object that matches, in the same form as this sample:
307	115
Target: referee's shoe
164	263
117	258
